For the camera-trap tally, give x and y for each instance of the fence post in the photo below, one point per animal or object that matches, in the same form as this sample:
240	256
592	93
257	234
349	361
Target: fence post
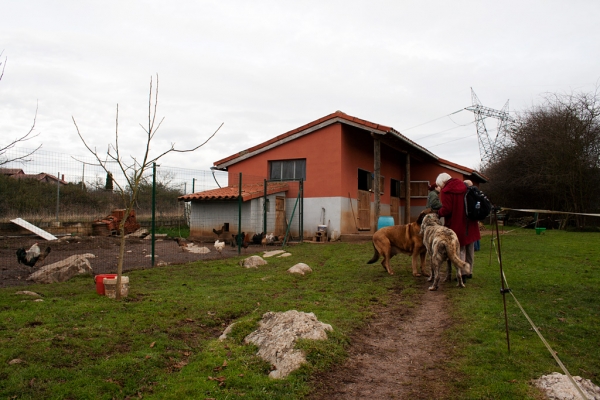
265	210
301	213
153	208
57	195
239	238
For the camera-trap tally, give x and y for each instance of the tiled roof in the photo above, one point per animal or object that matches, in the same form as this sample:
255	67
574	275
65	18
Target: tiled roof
344	118
337	116
463	169
249	191
11	171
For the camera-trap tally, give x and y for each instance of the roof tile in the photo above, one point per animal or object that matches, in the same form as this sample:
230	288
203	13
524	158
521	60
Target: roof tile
249	191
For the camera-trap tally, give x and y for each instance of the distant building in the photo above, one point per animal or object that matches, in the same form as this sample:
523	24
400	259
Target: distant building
41	177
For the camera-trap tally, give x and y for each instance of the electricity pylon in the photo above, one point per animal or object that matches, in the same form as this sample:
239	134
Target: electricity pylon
487	146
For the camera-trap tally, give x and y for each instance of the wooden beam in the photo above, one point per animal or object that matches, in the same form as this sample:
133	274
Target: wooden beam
377	173
407	190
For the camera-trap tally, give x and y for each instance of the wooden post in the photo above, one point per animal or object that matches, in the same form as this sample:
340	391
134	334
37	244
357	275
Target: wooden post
377	173
407	190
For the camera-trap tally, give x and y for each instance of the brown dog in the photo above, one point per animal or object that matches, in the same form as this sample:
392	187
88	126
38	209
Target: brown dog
406	239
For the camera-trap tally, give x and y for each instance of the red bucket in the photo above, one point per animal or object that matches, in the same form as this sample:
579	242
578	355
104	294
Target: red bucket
100	282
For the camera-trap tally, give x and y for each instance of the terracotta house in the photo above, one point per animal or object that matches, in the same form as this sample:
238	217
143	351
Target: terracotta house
352	172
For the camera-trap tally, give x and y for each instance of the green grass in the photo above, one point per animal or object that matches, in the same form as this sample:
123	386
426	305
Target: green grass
160	342
555	276
174	232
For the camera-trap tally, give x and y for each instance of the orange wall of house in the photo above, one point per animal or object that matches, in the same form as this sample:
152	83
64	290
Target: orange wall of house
357	150
321	149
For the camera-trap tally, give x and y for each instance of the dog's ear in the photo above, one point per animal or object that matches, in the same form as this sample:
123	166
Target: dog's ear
423	214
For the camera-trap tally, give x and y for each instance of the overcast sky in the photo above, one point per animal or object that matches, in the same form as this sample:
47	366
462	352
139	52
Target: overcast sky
266	67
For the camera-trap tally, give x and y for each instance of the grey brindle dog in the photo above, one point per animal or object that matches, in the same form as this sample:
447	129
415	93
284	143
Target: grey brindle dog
442	244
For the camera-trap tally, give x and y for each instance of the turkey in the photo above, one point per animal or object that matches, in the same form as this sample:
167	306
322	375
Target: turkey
32	256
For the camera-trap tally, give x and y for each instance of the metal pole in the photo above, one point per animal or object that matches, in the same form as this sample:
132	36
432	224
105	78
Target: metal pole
301	210
193	185
265	209
239	238
57	195
153	209
503	290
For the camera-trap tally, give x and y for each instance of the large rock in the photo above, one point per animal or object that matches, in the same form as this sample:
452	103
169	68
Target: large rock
559	387
277	335
300	268
63	270
252	262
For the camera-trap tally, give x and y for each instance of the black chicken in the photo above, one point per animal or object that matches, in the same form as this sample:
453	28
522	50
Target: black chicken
218	232
257	238
32	256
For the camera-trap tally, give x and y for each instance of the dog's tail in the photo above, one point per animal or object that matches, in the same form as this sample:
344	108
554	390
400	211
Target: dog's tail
375	256
454	256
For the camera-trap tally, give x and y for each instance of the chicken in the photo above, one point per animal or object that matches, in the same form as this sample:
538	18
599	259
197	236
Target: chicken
270	239
32	256
219	246
257	239
239	238
218	232
246	242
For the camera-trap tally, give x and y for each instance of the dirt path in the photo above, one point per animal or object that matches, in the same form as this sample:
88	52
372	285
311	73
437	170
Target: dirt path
399	355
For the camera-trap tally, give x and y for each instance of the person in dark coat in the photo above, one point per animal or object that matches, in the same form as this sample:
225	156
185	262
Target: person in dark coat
452	197
433	198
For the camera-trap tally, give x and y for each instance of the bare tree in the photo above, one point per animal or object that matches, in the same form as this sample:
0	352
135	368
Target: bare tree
133	170
553	158
5	147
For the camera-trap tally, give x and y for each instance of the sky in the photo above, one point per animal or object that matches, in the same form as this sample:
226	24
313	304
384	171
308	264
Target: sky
263	68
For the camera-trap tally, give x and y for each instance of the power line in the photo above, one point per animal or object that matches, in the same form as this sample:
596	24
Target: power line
445	130
425	123
450	141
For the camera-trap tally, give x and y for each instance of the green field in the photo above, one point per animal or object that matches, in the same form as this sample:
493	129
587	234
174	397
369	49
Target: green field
160	342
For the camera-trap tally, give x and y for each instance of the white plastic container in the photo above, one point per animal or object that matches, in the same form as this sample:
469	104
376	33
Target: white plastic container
110	287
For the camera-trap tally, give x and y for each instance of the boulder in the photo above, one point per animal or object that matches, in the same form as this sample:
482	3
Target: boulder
272	253
277	335
559	387
252	262
193	248
64	270
140	233
300	268
28	293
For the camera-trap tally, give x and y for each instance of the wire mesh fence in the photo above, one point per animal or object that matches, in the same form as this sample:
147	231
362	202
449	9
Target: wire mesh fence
178	216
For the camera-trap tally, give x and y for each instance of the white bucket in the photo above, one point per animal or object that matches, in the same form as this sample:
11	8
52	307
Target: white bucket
110	287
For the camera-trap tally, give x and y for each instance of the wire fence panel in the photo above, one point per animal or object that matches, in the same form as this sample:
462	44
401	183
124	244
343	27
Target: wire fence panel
77	201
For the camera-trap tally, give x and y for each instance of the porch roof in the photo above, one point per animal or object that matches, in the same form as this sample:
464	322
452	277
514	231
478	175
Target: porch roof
249	191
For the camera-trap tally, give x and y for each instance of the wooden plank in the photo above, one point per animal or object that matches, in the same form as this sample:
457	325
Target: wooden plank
32	228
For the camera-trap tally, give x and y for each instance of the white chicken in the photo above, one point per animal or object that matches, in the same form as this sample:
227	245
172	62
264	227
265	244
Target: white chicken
219	246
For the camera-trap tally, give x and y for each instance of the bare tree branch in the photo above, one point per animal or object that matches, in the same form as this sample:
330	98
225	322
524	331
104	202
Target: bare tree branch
28	136
134	180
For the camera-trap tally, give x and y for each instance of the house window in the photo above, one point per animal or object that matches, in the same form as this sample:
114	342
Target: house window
287	170
395	188
418	189
365	181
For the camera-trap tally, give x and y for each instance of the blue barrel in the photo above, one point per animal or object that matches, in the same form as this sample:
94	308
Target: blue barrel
385	221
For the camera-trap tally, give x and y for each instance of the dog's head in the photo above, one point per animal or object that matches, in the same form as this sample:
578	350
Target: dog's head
431	219
423	214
